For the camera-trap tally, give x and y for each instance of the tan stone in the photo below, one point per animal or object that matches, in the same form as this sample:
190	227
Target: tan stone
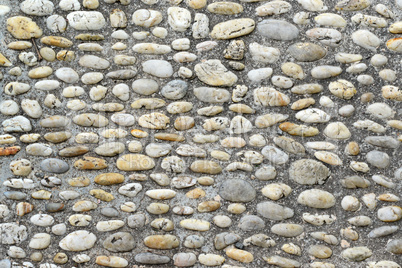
56	41
206	166
240	255
299	130
102	195
109	178
208	206
90	163
40	72
195	193
23	28
162	241
135	162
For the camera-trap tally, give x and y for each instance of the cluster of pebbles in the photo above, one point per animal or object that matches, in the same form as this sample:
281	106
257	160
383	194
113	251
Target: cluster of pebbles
200	133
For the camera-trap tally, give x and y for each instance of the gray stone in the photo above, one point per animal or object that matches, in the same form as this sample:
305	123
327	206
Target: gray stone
307	52
251	223
175	90
378	159
212	95
12	233
137	221
225	239
151	258
287	229
109	212
273	211
308	171
383	231
119	242
395	246
275	155
277	30
383	141
54	165
237	190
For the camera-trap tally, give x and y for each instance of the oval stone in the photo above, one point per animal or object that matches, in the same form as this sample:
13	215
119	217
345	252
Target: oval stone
278	30
307	52
135	162
233	28
237	190
316	198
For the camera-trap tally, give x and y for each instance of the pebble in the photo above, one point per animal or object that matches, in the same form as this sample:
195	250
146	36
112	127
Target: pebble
395	246
277	29
316	198
161	241
356	253
264	54
233	28
281	261
9	107
86	20
164	69
40	241
23	28
211	259
273	211
151	258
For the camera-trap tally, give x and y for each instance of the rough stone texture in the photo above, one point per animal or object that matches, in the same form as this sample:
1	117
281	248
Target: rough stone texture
231	81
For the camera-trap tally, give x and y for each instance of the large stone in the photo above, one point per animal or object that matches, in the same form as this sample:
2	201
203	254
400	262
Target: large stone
307	52
308	171
233	28
273	211
135	162
119	242
277	30
237	190
78	241
214	73
12	233
316	198
86	20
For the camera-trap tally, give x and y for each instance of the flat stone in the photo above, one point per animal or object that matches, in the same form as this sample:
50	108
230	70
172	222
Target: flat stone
119	242
111	261
252	223
54	165
316	198
237	190
287	229
151	258
307	171
78	241
162	241
175	90
277	30
357	253
135	162
204	166
214	73
158	68
23	28
273	211
307	52
378	159
86	20
94	62
233	28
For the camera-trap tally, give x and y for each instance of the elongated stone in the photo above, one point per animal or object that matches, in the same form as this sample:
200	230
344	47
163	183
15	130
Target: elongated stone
233	28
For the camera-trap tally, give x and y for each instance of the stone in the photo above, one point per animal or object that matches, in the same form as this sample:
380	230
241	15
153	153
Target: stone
40	241
54	165
240	255
276	191
12	233
78	241
195	225
233	28
273	8
337	130
394	44
275	155
134	162
357	253
161	241
281	261
182	259
306	52
146	17
273	211
250	223
119	242
211	259
287	229
37	8
111	261
214	73
86	20
264	54
316	198
277	30
175	90
389	213
164	69
23	28
151	258
380	110
395	246
378	159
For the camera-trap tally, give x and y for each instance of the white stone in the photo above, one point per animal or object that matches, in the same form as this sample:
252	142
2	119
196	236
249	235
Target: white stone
179	18
158	68
86	20
78	241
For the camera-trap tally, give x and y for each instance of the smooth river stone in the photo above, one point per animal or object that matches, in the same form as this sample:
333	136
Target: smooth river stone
162	241
206	166
54	165
214	73
233	28
287	230
277	30
151	258
158	68
212	95
316	198
94	62
86	20
90	120
273	211
307	52
109	178
237	190
78	241
135	162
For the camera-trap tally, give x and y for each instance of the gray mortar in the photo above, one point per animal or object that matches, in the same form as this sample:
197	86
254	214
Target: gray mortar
332	185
